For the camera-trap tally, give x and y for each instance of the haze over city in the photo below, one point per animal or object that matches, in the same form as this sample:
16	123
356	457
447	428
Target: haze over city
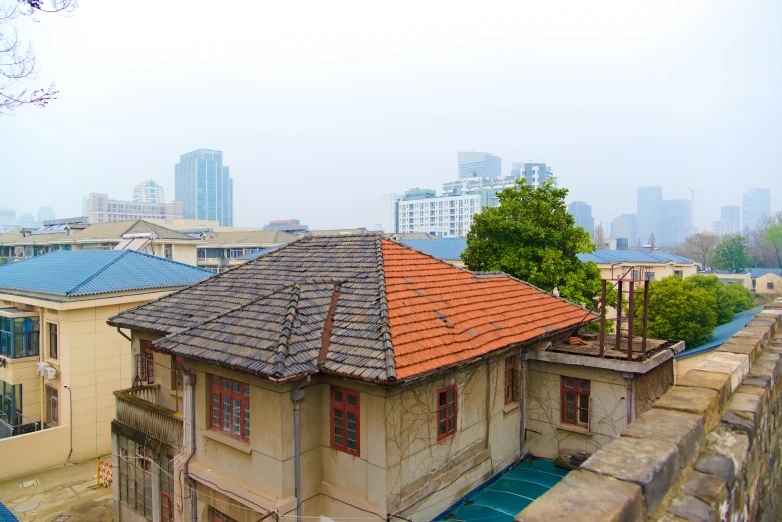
319	110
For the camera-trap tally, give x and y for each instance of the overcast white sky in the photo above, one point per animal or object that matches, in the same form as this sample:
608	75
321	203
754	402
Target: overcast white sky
321	107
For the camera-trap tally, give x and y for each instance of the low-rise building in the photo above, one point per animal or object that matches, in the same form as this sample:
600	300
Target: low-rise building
614	264
222	250
98	208
766	280
59	360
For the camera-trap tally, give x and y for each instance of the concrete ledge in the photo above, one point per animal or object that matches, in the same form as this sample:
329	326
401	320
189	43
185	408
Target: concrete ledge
683	429
700	401
609	364
719	382
737	366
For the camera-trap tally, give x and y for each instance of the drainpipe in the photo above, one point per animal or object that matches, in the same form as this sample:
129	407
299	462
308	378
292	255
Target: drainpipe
189	437
629	378
297	396
523	405
70	403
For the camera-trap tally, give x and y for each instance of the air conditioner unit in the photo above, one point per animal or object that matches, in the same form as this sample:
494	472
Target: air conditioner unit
51	373
40	369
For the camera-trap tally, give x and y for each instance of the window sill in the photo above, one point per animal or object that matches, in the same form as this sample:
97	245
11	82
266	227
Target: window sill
228	441
581	430
510	407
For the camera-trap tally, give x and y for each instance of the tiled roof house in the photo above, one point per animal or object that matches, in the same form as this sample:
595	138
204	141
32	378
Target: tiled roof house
333	376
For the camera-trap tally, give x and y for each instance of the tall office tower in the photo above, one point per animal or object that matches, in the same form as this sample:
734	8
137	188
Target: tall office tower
730	221
757	205
45	214
623	227
389	212
27	221
148	191
7	220
477	165
204	186
649	216
677	222
582	212
534	173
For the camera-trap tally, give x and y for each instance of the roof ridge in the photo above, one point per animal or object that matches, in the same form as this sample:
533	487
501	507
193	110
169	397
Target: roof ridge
122	254
385	328
287	326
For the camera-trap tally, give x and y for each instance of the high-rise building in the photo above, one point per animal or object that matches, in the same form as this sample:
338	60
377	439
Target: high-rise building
98	208
649	217
148	191
677	222
582	212
46	214
623	227
730	221
389	212
477	165
27	221
422	211
7	220
534	173
757	205
204	186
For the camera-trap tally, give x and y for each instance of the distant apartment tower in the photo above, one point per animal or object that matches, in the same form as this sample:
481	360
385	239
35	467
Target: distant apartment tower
27	221
148	191
756	206
582	213
204	186
476	165
421	211
7	220
534	173
46	214
623	227
730	221
98	208
389	212
649	217
290	226
677	222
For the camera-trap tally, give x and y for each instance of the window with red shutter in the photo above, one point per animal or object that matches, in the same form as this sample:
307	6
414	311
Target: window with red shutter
446	412
230	407
345	420
575	401
512	385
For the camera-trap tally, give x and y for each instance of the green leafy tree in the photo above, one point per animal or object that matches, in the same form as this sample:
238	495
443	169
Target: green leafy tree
740	297
731	254
773	238
678	309
531	236
723	306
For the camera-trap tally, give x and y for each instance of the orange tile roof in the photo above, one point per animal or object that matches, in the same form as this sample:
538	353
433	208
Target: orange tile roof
440	315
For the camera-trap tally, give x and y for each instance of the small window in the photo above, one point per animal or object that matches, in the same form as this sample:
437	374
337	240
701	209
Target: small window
345	420
146	363
52	407
217	516
679	274
770	285
168	251
53	340
512	387
446	412
177	373
650	276
230	407
575	401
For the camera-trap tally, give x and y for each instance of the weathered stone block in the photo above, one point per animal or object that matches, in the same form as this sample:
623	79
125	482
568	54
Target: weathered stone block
683	429
736	365
652	464
771	315
719	382
740	421
760	391
728	443
744	402
588	497
690	508
718	465
706	487
752	349
762	333
701	401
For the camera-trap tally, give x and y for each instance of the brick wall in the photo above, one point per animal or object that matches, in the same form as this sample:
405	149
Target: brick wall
707	450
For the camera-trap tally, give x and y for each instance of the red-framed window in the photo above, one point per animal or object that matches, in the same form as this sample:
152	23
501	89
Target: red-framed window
217	516
135	477
146	363
177	373
446	412
575	401
512	385
167	489
345	420
230	407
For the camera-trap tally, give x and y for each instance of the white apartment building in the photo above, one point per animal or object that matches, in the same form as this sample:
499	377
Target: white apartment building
441	216
98	208
389	212
148	191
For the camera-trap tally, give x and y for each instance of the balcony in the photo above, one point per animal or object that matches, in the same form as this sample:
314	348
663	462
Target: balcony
139	408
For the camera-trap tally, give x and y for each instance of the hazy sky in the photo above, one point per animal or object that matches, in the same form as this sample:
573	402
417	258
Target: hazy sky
321	107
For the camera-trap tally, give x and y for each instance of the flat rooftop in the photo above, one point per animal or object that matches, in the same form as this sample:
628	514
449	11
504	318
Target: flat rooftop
591	347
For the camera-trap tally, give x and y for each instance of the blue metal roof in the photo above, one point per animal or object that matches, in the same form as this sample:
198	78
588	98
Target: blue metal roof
259	253
6	515
448	249
86	272
631	256
760	272
722	333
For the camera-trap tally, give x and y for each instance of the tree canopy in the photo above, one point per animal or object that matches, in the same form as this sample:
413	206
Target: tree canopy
723	306
700	247
531	236
679	309
731	254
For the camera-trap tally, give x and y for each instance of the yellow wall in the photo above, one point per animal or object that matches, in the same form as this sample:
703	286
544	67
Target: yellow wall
661	270
32	452
186	253
742	279
761	284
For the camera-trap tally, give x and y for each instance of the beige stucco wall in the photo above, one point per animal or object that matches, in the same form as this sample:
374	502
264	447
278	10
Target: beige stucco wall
22	371
31	452
660	270
743	279
546	435
761	284
185	253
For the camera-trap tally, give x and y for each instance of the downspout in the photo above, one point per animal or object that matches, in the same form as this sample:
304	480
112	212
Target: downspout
123	335
297	396
629	378
523	405
190	434
488	410
70	408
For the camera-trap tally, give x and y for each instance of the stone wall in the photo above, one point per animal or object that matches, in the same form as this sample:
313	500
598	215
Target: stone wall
707	450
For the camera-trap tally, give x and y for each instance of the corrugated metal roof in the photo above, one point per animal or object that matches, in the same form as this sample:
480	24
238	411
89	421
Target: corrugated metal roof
760	272
449	249
601	257
259	253
86	272
6	515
